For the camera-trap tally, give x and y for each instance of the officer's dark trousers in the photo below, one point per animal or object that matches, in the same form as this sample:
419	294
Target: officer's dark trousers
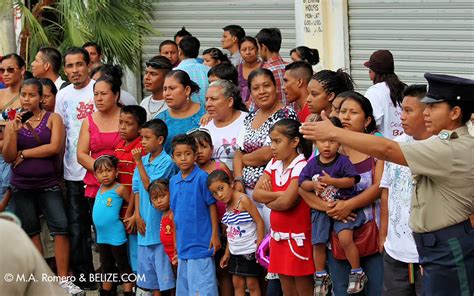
447	258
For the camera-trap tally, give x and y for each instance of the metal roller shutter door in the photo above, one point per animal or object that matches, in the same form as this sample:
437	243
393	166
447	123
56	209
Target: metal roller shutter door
424	36
205	20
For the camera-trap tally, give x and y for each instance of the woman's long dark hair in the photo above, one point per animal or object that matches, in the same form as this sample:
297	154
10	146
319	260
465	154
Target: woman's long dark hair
395	86
334	81
364	103
290	128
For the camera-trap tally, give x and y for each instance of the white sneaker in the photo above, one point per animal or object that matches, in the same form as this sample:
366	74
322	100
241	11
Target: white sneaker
70	287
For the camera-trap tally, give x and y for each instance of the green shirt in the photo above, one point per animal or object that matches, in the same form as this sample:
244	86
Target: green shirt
443	178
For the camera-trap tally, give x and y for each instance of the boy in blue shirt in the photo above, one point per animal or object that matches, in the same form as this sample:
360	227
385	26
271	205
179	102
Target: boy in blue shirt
195	217
154	269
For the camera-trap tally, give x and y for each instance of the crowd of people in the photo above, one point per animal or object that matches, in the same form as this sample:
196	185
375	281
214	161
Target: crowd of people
240	173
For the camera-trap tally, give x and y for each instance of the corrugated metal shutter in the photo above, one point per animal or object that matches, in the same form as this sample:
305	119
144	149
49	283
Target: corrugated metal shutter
424	36
205	20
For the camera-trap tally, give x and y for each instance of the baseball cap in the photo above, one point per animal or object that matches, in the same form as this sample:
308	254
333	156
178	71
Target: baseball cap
381	62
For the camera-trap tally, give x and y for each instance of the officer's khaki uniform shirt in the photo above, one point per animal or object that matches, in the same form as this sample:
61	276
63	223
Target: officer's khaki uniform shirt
443	176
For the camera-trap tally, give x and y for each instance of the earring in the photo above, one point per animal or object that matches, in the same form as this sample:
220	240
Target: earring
188	99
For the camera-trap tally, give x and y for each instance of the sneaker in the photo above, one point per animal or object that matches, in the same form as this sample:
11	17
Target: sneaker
356	282
321	285
71	288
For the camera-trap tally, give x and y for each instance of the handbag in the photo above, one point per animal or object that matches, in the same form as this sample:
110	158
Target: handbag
366	237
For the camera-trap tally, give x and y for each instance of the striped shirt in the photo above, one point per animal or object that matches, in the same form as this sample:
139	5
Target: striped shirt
241	232
277	66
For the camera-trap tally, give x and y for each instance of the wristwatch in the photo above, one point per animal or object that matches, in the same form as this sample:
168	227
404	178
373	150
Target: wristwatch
239	179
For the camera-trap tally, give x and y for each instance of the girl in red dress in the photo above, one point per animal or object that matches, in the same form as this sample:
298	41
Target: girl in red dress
290	247
160	200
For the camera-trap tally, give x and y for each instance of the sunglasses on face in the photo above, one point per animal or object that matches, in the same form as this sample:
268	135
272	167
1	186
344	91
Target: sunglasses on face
9	70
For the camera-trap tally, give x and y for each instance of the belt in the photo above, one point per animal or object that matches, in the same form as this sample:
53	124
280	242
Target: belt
429	239
297	237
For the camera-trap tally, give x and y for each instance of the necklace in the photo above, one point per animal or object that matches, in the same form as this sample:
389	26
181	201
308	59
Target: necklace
159	109
37	118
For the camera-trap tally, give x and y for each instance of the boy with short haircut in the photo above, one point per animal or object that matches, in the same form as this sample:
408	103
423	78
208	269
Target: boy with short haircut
153	264
269	44
131	118
195	215
230	41
402	274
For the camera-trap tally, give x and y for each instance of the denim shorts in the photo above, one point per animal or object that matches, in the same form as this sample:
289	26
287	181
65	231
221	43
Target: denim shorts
244	265
31	203
322	225
196	277
154	268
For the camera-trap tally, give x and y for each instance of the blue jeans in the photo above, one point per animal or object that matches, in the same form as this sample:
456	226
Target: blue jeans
340	270
79	217
30	203
5	172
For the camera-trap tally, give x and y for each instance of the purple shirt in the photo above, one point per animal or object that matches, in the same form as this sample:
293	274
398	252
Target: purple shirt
340	167
36	173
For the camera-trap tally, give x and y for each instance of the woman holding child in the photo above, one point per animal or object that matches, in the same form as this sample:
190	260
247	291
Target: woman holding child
355	115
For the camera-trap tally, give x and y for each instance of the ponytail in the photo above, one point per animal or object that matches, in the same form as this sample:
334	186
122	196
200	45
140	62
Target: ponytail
290	128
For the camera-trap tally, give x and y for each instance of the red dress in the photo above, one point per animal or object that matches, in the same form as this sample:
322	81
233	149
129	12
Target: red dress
295	220
167	235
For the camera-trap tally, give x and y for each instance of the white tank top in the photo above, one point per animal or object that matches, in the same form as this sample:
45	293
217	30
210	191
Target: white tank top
241	231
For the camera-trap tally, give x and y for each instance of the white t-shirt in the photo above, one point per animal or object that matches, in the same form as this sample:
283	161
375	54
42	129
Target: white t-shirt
399	243
74	105
127	99
387	116
224	139
470	127
153	107
58	83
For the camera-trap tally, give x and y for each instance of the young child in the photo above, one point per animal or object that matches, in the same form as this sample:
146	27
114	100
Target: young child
245	231
333	177
195	217
204	152
153	264
160	200
111	236
131	118
206	163
290	249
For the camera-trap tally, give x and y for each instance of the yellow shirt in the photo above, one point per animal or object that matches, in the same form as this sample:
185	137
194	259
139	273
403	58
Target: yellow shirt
443	179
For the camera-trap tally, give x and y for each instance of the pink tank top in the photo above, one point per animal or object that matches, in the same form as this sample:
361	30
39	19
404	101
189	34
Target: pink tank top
99	144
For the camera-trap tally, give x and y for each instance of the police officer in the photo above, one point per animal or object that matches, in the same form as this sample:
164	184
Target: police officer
443	178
